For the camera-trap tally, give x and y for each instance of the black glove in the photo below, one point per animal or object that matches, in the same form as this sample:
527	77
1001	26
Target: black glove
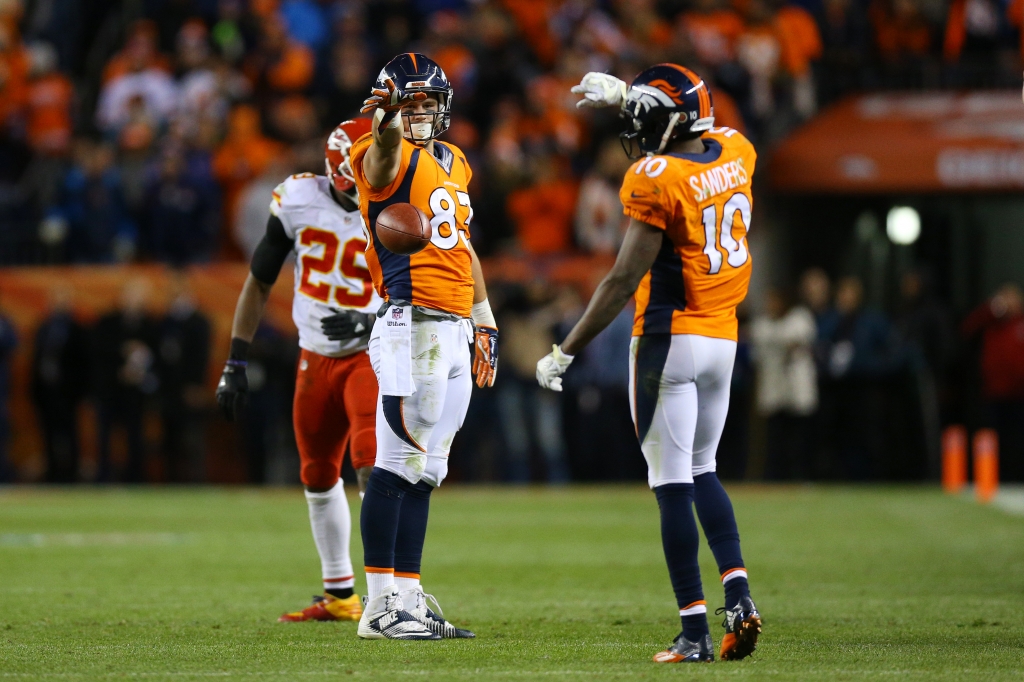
347	324
233	389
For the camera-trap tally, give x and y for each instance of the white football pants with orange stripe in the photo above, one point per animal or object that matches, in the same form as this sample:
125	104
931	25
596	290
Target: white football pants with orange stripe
415	433
679	397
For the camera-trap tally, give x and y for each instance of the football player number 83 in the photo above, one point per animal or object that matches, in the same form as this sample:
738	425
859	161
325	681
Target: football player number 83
444	225
736	250
325	264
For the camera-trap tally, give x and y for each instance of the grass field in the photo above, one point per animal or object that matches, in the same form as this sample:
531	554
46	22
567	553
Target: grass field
892	583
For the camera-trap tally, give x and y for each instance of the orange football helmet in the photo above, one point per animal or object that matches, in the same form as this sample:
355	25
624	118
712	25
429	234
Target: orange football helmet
339	170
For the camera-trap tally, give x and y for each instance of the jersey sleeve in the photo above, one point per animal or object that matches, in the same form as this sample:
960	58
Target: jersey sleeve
646	198
295	192
358	157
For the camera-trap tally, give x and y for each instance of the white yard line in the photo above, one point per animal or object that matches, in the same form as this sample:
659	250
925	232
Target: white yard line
1010	498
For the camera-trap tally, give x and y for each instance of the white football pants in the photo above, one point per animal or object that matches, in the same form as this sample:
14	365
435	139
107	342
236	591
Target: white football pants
415	433
679	397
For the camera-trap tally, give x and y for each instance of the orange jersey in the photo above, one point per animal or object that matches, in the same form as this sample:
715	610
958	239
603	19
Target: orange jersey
703	202
440	276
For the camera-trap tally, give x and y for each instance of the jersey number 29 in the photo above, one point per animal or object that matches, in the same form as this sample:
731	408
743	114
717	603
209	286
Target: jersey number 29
325	264
715	234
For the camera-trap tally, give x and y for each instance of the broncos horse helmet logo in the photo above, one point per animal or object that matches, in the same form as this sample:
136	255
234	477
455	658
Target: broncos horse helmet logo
668	89
646	97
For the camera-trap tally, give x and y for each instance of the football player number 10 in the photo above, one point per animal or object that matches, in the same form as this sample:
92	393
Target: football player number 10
325	264
735	249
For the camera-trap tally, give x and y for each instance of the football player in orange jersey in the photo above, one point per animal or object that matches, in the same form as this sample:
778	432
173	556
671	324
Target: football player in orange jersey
685	258
318	218
436	304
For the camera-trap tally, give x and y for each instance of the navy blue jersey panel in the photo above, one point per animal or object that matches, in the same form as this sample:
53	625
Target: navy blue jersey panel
395	268
651	355
668	292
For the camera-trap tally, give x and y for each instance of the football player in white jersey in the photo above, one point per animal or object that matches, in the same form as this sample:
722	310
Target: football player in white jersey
318	218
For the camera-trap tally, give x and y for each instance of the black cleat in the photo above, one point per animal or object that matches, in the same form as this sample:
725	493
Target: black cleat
742	627
685	651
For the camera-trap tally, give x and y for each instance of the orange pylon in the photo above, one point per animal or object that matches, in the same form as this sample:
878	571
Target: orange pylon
954	458
986	464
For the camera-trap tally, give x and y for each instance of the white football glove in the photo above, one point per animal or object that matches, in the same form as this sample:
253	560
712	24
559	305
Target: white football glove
600	90
551	367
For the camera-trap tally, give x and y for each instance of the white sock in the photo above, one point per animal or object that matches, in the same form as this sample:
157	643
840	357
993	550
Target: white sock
405	583
331	521
378	583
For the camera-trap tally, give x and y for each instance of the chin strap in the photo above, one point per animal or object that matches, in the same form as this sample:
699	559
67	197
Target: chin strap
672	121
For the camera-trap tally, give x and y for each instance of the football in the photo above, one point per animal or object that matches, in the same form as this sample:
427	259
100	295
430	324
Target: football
403	229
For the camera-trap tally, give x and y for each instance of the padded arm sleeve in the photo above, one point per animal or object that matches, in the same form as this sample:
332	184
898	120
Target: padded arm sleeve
271	252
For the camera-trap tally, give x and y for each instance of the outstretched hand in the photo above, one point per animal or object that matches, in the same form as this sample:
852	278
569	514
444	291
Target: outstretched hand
390	100
600	90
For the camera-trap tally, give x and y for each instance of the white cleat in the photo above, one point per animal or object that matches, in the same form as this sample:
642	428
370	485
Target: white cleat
385	617
417	601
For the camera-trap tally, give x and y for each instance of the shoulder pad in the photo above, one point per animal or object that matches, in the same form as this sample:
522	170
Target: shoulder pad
297	191
729	137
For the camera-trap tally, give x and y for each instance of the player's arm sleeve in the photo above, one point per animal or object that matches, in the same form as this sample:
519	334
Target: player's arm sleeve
644	200
271	252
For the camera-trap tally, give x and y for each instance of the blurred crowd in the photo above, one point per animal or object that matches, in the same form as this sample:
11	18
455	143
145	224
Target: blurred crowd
154	130
126	397
846	391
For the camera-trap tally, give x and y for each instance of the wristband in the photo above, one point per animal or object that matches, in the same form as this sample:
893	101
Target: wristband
239	351
482	315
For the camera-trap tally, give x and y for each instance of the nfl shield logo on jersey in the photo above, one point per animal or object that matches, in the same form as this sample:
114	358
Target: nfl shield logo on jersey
396	313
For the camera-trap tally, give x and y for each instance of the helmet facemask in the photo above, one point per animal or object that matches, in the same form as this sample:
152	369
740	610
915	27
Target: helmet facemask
437	121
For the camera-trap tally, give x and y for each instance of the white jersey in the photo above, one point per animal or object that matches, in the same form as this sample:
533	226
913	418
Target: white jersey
330	266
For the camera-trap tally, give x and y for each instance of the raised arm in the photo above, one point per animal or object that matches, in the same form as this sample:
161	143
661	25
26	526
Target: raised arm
639	249
384	157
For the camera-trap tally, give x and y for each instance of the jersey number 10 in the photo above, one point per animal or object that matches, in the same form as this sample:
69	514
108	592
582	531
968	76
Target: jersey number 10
736	250
325	264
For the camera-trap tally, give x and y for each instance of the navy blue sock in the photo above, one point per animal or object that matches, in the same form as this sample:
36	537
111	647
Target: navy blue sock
719	523
681	541
378	520
412	529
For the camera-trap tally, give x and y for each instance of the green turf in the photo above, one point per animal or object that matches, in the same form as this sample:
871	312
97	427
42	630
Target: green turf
895	583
